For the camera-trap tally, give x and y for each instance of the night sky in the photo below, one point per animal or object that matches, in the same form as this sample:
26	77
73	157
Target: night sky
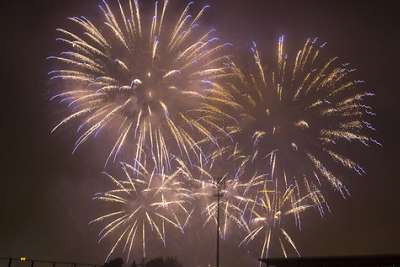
45	199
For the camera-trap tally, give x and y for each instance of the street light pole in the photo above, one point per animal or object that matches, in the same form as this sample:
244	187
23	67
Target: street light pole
219	195
218	222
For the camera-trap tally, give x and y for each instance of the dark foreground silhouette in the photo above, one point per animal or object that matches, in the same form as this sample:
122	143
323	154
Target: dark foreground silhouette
349	261
157	262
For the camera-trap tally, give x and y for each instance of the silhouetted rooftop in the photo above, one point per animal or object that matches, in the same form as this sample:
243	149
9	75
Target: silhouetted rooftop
377	260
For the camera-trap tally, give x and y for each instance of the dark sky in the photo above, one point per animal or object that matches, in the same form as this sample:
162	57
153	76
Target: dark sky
45	200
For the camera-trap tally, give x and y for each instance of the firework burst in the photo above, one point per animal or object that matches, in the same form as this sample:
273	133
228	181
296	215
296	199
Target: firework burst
270	210
145	203
294	117
144	77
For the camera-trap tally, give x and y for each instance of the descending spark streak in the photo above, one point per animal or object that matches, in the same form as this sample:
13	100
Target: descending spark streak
144	203
147	79
289	118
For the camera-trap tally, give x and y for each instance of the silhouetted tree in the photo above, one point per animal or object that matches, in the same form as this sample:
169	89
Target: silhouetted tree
118	262
172	262
161	262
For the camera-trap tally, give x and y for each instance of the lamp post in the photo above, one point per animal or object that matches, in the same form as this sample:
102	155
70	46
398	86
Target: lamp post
218	195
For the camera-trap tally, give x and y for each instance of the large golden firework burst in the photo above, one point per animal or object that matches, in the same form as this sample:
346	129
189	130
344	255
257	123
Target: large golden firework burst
294	117
141	78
